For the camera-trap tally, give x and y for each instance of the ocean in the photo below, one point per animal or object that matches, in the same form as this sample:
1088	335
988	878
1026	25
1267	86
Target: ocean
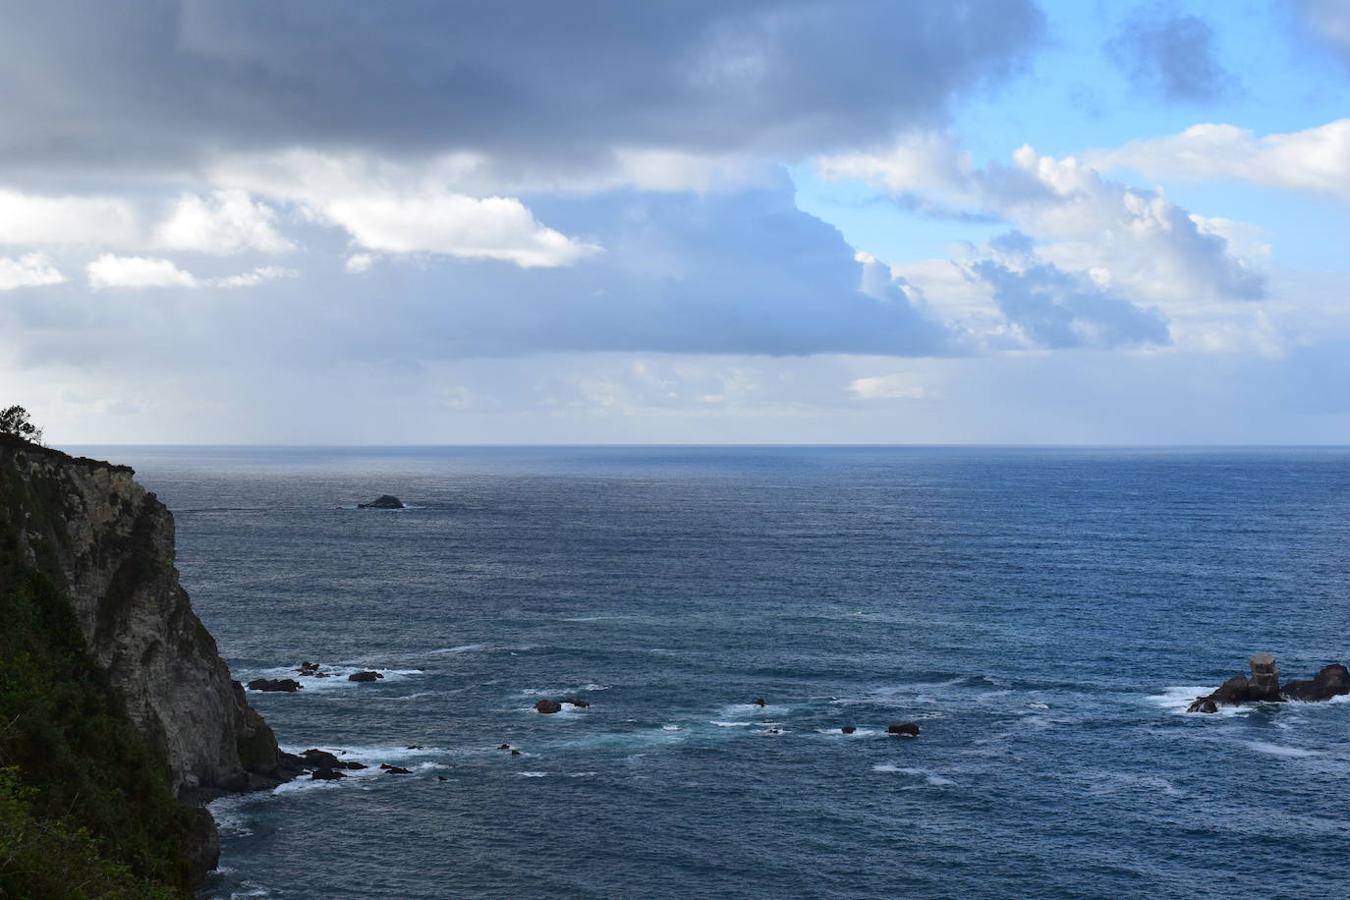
1044	616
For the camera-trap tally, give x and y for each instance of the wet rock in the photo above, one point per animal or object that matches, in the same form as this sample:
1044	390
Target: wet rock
848	729
548	707
577	702
441	778
365	676
384	501
759	701
903	729
327	775
322	759
395	770
1331	681
1203	705
282	685
504	747
515	752
308	669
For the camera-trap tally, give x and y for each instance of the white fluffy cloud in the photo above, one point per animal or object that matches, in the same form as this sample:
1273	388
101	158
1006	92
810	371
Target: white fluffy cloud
36	220
1315	159
1131	239
387	207
255	277
227	222
29	270
136	272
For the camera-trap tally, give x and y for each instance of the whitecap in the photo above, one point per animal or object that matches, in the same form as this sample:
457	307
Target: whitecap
720	724
670	728
1280	750
462	648
1177	699
932	778
532	774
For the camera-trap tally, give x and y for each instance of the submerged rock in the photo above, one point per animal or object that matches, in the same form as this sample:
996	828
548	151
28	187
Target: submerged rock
848	729
284	685
394	770
759	701
903	729
384	501
577	702
548	707
365	676
327	775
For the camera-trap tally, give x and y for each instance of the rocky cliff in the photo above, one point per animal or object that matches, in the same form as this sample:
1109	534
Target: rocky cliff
112	691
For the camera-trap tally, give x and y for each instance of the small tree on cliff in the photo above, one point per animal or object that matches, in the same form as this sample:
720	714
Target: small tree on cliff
14	420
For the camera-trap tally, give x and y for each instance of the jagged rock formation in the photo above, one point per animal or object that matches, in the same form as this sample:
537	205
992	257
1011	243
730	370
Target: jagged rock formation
1264	686
110	544
384	501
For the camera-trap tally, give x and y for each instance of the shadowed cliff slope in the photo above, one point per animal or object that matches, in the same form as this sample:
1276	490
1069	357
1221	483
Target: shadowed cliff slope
114	703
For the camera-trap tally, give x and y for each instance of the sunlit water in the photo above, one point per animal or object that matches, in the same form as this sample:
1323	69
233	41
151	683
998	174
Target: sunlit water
1044	616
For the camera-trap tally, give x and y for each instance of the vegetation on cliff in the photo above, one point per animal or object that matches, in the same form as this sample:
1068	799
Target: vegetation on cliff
86	804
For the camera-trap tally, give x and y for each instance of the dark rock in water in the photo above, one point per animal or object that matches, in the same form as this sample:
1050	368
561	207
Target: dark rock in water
441	778
848	729
384	501
322	759
1331	681
285	685
903	729
504	747
548	707
1264	686
395	770
364	676
327	775
415	747
515	752
577	702
759	701
308	668
357	765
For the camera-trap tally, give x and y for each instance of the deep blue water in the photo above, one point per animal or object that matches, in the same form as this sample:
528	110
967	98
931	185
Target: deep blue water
1044	615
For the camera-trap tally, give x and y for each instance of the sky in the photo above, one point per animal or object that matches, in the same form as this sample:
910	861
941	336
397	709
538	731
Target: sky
770	221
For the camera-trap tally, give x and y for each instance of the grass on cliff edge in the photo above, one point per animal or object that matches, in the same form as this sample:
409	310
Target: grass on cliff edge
86	807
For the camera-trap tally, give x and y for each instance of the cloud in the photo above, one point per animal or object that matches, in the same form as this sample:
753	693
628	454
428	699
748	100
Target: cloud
1145	243
256	277
1170	56
136	272
1315	159
391	207
28	219
1057	309
227	222
29	270
900	386
1330	22
172	83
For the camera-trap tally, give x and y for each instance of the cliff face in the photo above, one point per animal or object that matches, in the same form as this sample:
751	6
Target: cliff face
109	543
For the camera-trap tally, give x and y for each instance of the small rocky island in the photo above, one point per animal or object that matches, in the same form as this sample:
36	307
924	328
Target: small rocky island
384	501
1264	687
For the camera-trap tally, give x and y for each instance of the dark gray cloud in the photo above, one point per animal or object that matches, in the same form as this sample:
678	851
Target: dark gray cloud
1171	56
1059	309
169	80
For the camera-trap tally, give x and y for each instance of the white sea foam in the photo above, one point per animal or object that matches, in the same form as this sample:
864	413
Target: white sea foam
670	728
857	732
1280	750
336	680
462	648
1176	699
228	811
532	774
721	724
932	778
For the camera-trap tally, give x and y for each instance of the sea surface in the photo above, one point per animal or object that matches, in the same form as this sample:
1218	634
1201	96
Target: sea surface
1043	615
